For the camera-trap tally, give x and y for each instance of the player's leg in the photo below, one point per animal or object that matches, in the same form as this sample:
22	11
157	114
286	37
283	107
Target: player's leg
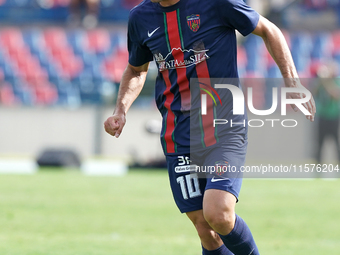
219	211
210	240
221	195
187	191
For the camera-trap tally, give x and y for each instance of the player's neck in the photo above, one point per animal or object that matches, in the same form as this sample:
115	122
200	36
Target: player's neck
167	3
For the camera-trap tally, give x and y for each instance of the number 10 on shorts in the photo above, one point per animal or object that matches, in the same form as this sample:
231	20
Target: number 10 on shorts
189	186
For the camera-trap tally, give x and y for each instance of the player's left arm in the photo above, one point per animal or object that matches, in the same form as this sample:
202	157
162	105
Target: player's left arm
278	48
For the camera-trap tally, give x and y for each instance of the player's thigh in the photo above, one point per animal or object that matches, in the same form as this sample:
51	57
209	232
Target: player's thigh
228	159
187	188
219	206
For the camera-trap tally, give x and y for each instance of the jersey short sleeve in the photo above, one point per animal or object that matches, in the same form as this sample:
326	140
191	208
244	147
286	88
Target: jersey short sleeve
236	14
139	54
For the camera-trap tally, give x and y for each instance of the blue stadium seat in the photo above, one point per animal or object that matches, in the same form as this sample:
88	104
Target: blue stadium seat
90	92
89	58
254	48
76	40
10	71
301	47
107	3
302	64
322	46
52	71
115	39
274	72
301	44
274	80
68	93
33	38
23	92
43	57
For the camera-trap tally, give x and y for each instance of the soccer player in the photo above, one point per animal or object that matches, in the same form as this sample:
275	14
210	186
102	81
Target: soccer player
195	39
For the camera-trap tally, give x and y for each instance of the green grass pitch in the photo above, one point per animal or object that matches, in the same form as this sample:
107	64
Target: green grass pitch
64	212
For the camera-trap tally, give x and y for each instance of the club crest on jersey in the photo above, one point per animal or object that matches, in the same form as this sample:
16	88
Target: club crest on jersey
220	166
194	22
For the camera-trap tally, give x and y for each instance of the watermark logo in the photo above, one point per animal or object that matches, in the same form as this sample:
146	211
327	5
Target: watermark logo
238	99
209	91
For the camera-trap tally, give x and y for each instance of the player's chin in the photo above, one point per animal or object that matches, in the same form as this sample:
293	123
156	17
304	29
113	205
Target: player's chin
156	1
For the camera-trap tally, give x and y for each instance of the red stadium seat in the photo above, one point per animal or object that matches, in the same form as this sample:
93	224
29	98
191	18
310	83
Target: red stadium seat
61	3
314	67
98	41
2	75
257	82
336	42
46	94
62	54
7	96
116	64
28	66
241	56
55	38
11	37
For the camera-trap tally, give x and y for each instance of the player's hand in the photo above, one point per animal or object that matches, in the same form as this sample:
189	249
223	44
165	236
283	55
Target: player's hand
310	105
114	124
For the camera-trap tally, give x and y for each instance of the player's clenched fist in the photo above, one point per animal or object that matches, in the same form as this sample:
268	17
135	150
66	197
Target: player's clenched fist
114	124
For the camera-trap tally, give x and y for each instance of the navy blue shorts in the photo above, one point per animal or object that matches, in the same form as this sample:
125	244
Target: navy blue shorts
217	167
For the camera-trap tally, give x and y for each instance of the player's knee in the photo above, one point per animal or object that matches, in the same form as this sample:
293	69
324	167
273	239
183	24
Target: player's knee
204	230
221	221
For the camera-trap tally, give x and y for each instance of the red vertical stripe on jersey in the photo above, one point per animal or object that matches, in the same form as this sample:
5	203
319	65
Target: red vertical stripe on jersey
170	121
207	120
177	53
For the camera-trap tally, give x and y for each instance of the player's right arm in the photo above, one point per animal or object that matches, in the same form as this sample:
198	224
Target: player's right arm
131	85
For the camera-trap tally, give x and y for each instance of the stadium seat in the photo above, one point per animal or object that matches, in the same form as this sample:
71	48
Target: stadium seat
34	39
241	61
336	42
76	39
7	96
274	72
257	82
301	47
76	63
97	41
2	76
68	93
255	50
314	67
45	94
90	92
23	92
62	53
322	46
115	65
107	3
11	40
301	44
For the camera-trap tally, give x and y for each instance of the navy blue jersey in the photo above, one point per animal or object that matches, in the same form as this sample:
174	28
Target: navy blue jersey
193	40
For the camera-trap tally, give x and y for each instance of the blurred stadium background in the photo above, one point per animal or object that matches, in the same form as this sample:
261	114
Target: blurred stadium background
58	83
61	79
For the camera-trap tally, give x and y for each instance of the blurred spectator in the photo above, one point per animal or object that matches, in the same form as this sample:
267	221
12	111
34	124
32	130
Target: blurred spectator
328	107
129	4
321	4
91	8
